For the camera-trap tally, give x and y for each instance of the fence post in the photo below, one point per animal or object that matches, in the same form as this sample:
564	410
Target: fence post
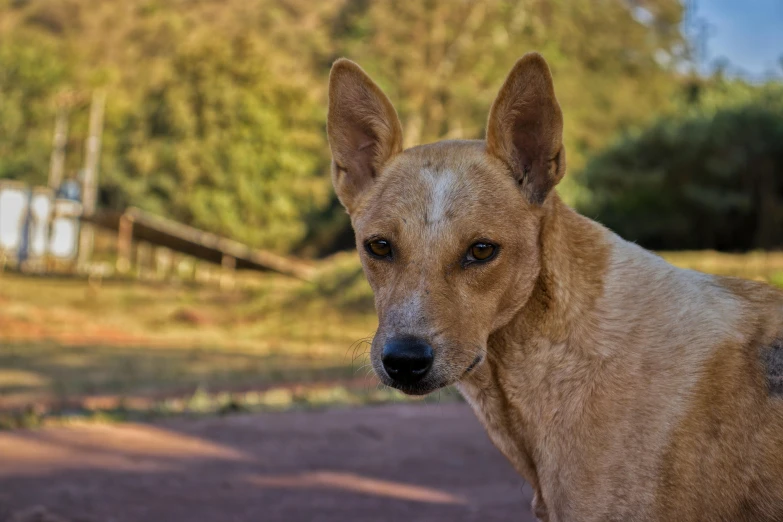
228	264
124	244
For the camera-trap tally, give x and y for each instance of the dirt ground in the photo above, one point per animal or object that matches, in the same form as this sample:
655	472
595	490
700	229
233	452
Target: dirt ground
410	462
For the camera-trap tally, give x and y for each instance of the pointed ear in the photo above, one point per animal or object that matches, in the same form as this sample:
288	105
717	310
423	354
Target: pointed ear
525	128
363	128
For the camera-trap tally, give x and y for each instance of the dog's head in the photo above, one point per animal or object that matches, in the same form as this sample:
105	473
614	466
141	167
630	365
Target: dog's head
448	233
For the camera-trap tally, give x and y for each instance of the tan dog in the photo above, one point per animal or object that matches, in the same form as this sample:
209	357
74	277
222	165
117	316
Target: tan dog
619	386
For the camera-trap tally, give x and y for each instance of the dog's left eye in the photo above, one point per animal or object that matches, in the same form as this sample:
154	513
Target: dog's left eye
480	251
379	248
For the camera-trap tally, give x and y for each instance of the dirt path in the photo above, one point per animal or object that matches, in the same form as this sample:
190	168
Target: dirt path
421	463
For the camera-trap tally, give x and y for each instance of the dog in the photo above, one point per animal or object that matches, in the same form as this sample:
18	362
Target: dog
620	387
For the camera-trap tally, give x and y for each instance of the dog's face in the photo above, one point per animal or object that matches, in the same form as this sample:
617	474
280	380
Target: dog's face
448	233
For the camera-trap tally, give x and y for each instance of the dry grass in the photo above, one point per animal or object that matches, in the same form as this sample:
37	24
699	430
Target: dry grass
65	342
762	266
67	345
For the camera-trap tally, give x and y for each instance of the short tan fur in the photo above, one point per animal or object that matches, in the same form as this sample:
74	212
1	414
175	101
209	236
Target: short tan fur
619	386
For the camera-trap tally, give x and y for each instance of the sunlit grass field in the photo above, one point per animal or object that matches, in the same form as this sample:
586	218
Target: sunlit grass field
67	344
71	347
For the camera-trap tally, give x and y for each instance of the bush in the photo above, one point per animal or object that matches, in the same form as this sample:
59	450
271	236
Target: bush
700	181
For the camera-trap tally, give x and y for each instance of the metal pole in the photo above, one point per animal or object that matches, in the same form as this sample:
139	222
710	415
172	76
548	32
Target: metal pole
57	163
92	151
56	169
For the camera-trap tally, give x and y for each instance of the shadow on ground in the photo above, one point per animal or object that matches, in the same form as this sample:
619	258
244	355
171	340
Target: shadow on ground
401	462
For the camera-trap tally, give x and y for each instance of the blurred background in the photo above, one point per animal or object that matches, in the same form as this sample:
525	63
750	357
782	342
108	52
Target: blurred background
171	251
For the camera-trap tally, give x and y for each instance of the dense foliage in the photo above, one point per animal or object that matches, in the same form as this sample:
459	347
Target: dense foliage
711	179
216	108
211	118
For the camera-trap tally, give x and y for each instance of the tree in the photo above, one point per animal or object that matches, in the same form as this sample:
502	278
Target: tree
706	180
211	118
211	146
442	62
30	76
216	108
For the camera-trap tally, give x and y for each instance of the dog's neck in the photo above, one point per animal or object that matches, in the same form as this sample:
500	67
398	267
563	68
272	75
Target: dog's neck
574	253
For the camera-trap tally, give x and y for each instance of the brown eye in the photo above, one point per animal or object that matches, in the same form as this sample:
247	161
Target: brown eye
379	248
481	252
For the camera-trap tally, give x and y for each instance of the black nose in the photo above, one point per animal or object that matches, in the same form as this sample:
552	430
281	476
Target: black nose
407	360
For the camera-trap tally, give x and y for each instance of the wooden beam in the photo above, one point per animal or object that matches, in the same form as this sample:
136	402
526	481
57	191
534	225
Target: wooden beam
203	245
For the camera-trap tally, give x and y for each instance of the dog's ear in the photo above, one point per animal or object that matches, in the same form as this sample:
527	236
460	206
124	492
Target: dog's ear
364	131
525	128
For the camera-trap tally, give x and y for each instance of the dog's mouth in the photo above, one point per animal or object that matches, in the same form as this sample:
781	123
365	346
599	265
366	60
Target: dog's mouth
428	384
473	365
416	389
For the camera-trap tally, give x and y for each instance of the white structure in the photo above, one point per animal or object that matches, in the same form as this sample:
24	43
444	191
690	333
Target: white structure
52	226
64	237
13	207
40	214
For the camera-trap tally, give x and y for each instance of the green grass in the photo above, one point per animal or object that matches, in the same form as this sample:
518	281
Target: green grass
124	349
202	402
64	341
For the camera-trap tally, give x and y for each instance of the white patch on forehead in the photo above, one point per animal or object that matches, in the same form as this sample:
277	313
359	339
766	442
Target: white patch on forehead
441	188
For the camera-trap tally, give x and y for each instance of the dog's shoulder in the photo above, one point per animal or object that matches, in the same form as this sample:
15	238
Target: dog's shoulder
667	308
656	284
662	305
762	312
739	392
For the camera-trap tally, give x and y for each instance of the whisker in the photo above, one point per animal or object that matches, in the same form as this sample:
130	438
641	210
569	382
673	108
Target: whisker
357	344
367	366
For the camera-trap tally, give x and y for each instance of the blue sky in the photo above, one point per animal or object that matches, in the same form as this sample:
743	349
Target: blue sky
749	33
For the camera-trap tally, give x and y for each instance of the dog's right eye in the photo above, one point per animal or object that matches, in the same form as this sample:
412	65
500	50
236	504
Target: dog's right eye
379	248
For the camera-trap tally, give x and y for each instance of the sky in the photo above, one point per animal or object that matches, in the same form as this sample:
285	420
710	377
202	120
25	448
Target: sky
749	33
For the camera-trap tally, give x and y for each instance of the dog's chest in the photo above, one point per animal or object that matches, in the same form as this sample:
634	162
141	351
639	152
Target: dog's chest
489	410
506	430
539	417
512	407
